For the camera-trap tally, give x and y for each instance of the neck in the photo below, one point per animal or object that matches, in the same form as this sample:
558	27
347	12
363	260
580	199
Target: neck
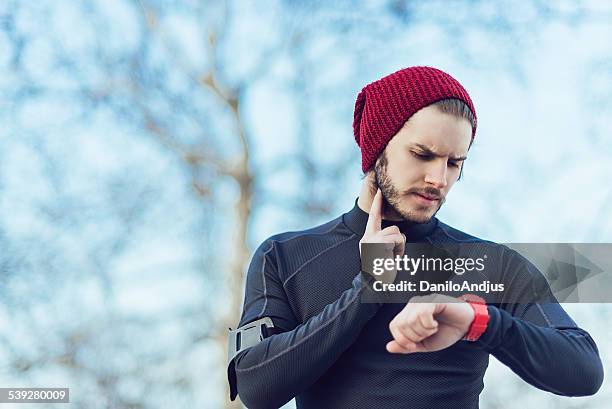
366	197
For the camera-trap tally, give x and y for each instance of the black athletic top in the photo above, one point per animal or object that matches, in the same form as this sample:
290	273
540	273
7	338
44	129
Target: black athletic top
328	349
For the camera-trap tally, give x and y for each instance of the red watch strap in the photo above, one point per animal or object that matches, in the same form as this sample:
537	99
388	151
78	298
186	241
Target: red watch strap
481	316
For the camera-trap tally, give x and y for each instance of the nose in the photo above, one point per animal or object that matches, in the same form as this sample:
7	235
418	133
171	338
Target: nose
435	175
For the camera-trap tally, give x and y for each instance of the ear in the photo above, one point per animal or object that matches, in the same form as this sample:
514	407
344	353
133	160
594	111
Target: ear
460	171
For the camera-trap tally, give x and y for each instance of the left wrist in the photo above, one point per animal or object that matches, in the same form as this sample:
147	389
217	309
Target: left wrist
470	320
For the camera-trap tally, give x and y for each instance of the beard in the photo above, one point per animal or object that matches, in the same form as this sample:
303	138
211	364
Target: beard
392	197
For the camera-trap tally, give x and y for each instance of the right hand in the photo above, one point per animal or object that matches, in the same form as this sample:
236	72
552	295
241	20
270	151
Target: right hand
374	233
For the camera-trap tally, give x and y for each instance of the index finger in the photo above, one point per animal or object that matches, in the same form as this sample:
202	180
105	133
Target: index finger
375	215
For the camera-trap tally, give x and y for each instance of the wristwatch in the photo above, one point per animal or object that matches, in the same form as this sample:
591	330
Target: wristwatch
481	316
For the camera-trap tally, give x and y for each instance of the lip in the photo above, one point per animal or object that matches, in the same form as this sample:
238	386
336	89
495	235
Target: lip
424	200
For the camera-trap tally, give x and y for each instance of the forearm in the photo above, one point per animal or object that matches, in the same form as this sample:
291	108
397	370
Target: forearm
564	361
277	369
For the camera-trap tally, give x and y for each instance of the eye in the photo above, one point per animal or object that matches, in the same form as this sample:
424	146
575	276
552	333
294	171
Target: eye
421	156
453	164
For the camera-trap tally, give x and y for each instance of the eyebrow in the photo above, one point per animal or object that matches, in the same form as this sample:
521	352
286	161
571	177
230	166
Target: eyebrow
431	152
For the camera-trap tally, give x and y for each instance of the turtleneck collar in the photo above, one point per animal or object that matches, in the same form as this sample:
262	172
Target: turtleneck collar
356	219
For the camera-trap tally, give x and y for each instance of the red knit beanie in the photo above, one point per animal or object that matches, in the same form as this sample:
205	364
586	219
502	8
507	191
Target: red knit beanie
383	106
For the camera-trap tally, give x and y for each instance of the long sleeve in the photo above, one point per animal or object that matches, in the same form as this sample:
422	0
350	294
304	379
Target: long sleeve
558	359
277	369
539	341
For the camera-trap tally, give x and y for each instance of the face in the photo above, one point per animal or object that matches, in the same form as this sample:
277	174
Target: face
421	163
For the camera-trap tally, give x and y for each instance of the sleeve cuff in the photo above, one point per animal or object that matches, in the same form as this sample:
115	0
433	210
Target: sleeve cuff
492	336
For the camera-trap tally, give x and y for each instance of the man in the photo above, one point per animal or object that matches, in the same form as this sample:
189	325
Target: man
306	333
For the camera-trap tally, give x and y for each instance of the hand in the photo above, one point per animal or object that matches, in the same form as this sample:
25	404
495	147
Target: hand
429	323
391	236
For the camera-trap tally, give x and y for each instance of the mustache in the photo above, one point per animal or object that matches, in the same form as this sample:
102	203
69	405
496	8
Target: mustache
428	192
